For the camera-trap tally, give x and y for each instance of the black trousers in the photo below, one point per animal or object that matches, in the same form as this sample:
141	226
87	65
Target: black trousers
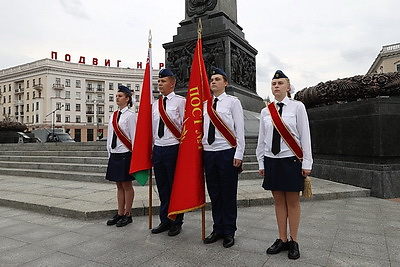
164	163
222	183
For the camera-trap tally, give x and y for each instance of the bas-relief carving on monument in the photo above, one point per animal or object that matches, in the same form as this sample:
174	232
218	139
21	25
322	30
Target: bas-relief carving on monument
198	7
224	46
350	89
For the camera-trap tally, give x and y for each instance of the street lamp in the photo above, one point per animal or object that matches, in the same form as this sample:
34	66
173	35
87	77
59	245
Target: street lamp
53	119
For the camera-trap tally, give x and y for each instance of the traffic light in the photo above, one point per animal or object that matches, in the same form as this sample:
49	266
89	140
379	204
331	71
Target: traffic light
100	134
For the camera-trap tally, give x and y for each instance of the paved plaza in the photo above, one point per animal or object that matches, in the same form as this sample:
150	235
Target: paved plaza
361	231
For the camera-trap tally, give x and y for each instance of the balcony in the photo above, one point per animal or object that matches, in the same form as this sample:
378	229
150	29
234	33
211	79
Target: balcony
90	89
99	89
58	86
38	87
18	102
89	112
19	90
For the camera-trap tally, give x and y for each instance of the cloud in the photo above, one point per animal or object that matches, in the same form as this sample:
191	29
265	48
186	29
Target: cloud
74	8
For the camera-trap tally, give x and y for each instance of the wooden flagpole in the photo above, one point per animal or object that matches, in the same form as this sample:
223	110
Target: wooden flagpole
150	171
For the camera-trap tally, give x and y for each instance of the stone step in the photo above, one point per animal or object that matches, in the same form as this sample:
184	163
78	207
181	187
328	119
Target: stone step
87	200
79	173
72	160
56	153
55	166
93	146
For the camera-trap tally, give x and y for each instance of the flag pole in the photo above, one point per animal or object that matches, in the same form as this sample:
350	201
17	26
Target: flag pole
203	209
150	171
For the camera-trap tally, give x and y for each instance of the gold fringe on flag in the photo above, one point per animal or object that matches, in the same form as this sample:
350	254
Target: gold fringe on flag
307	192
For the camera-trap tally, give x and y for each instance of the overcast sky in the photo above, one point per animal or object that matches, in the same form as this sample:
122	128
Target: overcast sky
312	41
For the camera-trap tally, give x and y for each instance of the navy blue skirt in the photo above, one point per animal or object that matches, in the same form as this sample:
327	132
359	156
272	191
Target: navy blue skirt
118	167
283	174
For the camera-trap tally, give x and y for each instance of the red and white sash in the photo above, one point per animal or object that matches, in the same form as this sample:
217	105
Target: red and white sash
220	125
286	135
120	134
167	120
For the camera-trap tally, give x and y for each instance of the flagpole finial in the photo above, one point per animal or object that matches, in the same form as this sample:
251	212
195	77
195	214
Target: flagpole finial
199	28
150	38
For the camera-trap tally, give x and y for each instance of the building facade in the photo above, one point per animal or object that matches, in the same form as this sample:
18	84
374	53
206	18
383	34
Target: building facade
388	60
78	98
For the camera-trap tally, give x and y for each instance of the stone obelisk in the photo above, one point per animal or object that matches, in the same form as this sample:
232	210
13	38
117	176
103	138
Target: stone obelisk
224	46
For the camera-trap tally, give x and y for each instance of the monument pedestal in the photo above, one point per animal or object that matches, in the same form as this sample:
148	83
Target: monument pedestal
358	143
224	46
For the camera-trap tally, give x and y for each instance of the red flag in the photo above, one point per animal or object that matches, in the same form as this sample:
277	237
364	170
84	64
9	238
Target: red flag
188	190
141	154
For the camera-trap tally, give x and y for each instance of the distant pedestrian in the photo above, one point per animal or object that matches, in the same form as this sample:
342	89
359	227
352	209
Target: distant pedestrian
279	162
121	133
223	144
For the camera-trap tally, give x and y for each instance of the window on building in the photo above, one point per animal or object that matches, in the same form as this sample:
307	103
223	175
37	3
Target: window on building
9	99
111	86
67	82
58	81
4	99
90	119
37	118
33	95
9	87
137	99
34	82
67	118
398	67
9	110
110	108
111	97
119	84
58	93
78	119
27	107
27	95
137	87
78	84
37	105
4	88
58	105
27	84
128	85
89	97
33	119
40	80
33	108
4	111
78	107
77	135
67	107
67	94
78	95
89	86
58	117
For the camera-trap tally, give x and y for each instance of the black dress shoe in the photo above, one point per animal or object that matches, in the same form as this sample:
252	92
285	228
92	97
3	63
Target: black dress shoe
213	237
124	221
114	219
278	246
174	230
162	227
294	252
229	241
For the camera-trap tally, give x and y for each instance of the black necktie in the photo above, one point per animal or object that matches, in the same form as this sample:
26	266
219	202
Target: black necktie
114	139
276	137
211	127
161	122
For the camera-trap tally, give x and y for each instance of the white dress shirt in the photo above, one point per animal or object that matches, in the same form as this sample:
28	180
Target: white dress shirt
295	117
176	111
230	110
127	123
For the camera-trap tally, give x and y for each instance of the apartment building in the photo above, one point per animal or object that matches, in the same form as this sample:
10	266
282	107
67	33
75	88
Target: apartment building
76	97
